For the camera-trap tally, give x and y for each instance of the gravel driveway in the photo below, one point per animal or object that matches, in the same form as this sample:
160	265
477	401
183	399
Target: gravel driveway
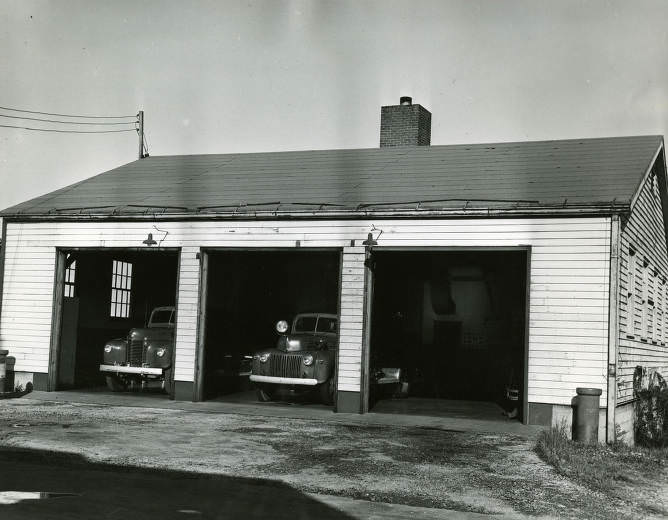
496	474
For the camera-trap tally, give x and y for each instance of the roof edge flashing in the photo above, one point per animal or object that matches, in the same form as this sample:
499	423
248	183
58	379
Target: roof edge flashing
557	210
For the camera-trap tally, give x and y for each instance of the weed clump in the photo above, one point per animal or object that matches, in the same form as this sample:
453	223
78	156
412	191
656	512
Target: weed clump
610	469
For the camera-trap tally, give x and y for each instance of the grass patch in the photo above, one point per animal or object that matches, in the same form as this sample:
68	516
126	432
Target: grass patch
618	470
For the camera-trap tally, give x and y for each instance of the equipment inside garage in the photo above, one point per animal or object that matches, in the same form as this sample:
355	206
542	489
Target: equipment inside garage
106	294
453	321
248	292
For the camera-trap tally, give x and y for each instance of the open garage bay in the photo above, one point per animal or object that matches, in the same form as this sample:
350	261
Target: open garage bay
105	295
454	323
248	292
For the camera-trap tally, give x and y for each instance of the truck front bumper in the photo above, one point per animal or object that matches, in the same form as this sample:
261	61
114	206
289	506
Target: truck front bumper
283	380
142	371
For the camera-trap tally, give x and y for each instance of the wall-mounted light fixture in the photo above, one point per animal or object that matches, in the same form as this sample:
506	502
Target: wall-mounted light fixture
149	240
369	261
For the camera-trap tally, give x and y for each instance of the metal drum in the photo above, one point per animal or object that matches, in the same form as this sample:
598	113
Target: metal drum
585	415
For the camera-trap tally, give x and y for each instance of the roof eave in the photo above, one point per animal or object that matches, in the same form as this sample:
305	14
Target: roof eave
648	171
545	210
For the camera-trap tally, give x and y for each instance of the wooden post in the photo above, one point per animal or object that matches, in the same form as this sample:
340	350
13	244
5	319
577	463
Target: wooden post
613	326
140	116
366	335
171	384
366	322
198	388
56	320
527	306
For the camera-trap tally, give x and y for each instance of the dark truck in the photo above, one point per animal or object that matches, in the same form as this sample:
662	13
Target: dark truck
145	355
303	360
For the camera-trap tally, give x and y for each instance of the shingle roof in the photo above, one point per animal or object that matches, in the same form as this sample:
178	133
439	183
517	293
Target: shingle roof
542	174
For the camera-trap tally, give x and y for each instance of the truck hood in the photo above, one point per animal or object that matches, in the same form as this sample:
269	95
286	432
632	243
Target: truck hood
304	342
151	333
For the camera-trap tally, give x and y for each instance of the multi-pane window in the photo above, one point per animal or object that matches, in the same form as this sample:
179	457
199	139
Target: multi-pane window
70	273
664	289
634	327
650	281
121	285
658	336
644	301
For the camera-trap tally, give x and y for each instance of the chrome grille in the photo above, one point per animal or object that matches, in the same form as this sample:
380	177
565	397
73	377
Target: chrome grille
285	365
136	351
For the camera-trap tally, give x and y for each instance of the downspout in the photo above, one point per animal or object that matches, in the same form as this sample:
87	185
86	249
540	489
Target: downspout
613	326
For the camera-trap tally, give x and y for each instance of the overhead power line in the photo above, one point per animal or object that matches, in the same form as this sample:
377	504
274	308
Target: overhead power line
66	115
69	131
67	122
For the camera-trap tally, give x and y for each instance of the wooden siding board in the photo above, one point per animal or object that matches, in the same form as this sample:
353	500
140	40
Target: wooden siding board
568	292
645	232
350	323
186	312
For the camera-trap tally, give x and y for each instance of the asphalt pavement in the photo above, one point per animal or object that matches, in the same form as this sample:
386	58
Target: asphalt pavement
45	485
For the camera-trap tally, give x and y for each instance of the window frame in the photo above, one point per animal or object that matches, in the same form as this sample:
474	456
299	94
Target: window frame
644	302
69	290
633	330
121	289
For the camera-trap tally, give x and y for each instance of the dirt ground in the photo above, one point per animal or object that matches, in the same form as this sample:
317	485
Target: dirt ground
497	474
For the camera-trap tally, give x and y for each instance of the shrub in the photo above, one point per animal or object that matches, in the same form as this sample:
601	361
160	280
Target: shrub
651	426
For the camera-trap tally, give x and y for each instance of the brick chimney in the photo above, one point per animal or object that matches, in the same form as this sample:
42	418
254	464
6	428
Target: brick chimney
405	124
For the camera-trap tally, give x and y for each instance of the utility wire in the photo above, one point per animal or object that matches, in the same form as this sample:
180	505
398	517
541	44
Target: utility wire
66	122
65	115
69	131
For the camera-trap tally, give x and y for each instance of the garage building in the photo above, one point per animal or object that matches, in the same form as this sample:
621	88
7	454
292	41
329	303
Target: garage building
540	265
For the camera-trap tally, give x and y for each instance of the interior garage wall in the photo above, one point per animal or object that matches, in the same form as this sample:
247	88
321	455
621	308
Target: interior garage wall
568	329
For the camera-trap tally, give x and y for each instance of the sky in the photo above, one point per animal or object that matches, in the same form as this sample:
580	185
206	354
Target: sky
248	76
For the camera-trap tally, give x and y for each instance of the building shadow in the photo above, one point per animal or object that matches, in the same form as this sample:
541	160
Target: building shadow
106	491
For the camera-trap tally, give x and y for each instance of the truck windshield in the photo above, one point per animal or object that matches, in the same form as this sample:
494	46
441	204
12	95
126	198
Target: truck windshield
305	324
162	316
326	325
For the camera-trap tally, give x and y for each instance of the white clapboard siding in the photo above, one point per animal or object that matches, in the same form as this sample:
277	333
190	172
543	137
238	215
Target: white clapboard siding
568	287
186	312
352	293
645	232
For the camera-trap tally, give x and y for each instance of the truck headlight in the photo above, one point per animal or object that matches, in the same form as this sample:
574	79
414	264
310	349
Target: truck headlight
160	352
282	327
308	360
264	357
107	348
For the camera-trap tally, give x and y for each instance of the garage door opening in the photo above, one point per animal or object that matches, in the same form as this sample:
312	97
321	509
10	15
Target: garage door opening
454	323
247	293
106	294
